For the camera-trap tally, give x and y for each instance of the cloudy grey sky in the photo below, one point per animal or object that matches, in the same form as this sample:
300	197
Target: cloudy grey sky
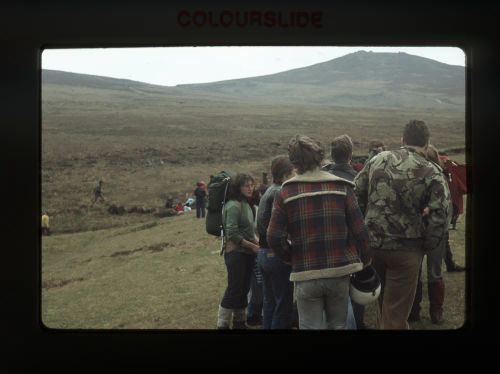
169	66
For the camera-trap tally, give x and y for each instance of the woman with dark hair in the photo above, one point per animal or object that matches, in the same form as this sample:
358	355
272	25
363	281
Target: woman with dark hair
239	252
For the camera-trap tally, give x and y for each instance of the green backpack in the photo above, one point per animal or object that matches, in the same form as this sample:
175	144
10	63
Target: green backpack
218	189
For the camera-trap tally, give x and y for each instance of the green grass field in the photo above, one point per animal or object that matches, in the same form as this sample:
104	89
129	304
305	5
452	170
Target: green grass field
165	274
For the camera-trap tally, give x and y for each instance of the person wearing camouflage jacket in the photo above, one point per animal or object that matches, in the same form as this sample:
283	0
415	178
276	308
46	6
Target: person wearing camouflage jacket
392	190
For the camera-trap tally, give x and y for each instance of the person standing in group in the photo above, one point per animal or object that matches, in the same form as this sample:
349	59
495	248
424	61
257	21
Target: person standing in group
393	189
375	147
342	155
240	251
200	193
255	296
317	226
456	178
45	224
434	260
277	288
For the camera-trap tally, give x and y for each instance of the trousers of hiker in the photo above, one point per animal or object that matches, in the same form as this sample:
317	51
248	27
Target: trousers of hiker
200	208
435	286
200	193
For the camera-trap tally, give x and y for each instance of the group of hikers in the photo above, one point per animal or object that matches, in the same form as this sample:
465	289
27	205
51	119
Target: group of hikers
200	198
292	247
303	237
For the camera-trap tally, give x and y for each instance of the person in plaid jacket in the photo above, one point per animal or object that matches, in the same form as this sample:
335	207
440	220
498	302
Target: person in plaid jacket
317	227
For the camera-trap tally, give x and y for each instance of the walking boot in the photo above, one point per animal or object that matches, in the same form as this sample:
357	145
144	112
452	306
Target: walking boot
224	318
239	319
436	300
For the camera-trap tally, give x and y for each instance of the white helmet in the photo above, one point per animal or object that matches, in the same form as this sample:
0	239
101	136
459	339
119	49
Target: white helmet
365	286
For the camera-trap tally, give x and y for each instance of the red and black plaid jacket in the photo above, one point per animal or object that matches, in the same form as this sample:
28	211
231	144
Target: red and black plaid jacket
319	213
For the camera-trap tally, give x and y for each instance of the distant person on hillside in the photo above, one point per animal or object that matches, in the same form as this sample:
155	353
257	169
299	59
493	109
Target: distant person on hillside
45	224
240	249
393	189
200	193
98	195
375	147
169	204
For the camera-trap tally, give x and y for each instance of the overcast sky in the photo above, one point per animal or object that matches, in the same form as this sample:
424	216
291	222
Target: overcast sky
169	66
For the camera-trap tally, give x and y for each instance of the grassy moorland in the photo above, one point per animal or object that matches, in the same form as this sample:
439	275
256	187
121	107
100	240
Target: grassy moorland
165	274
139	271
147	152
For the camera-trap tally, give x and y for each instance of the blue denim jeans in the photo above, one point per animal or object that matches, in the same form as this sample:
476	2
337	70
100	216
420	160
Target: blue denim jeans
328	297
255	297
277	290
351	323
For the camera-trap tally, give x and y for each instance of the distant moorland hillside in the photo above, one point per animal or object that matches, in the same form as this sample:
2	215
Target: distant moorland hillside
149	141
361	79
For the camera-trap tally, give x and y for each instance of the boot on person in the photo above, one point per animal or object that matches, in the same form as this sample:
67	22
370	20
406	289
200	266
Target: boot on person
224	318
454	223
240	319
436	300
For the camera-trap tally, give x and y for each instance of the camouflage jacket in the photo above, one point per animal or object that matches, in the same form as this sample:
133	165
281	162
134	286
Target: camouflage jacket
393	189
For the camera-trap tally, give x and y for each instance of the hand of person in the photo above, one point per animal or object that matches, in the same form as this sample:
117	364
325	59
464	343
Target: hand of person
426	211
255	249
